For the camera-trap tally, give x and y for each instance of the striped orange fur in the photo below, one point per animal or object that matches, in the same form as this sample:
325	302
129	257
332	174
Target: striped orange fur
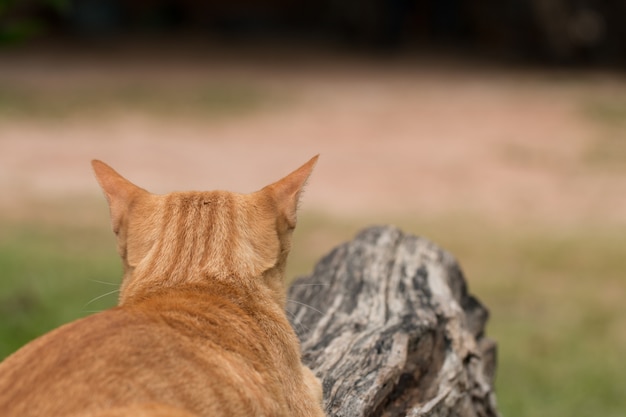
200	329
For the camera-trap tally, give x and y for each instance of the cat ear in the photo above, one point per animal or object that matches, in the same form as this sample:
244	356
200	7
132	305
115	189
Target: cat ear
287	191
118	191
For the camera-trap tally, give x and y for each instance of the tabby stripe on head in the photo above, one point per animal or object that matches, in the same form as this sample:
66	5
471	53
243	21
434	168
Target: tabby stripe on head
208	226
186	234
188	248
231	236
194	224
221	251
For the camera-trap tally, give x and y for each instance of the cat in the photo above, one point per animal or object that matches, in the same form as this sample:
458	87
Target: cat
200	329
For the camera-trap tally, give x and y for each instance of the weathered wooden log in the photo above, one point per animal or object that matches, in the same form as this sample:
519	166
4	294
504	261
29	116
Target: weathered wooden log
387	323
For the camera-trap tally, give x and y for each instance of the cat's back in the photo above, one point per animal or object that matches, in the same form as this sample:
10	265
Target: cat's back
114	358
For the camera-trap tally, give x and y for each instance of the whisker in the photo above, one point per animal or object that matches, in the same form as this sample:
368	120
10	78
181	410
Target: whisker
305	305
103	282
297	321
101	296
310	285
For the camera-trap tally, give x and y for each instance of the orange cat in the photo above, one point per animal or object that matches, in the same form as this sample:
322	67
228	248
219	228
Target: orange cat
200	329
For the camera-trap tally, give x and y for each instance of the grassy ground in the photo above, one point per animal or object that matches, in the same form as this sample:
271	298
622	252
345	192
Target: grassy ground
549	151
555	296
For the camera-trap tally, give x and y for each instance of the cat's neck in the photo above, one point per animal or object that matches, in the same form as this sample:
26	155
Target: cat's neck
270	284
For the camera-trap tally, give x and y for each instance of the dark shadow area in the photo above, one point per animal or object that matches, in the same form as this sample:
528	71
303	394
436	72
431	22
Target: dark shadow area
557	32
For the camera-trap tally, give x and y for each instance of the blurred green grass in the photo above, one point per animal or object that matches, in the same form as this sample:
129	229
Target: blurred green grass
608	150
201	99
49	273
555	294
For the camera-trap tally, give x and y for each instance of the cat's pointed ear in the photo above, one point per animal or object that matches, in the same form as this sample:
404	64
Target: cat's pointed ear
287	191
118	191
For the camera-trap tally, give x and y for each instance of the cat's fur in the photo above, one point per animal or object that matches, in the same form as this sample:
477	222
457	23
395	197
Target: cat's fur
200	329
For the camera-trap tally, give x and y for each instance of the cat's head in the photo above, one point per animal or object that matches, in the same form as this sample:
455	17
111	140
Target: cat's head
191	237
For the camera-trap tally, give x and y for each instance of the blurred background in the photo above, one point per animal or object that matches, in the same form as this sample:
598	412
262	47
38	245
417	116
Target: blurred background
494	128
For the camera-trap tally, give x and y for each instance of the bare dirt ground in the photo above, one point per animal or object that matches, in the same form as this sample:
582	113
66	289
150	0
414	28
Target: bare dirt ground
397	136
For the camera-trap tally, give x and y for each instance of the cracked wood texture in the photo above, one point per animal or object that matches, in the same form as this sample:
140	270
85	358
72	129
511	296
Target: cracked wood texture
387	323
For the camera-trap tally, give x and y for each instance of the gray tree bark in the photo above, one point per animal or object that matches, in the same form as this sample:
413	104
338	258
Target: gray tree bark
387	323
